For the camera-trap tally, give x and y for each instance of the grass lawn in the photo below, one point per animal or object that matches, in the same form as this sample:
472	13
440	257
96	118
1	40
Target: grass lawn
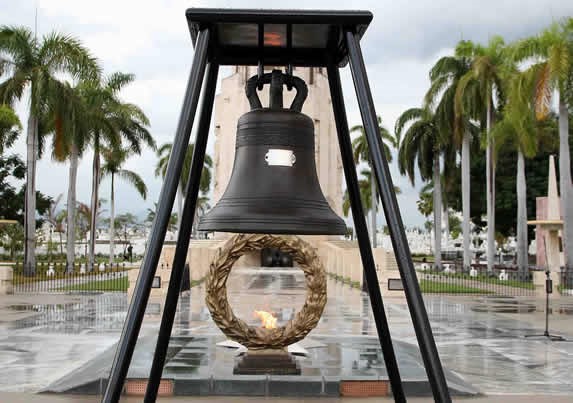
115	284
528	285
430	286
510	283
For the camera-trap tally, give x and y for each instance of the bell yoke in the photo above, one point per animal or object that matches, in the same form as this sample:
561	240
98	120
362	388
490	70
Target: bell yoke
274	187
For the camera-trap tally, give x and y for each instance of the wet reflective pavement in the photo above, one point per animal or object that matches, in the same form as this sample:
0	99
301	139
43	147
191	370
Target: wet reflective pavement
69	346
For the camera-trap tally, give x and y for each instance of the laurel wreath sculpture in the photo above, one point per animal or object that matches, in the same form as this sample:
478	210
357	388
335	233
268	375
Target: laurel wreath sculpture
257	338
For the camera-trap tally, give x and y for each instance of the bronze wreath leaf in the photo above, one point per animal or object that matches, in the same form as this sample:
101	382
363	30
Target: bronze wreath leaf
258	337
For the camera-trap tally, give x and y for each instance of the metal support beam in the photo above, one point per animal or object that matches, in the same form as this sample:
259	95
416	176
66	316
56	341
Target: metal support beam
362	233
140	296
184	236
416	306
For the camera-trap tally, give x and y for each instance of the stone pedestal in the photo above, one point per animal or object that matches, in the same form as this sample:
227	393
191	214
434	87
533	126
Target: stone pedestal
6	280
261	362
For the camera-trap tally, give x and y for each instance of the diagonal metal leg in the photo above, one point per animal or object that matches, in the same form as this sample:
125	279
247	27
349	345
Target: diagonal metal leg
416	306
362	234
140	296
184	236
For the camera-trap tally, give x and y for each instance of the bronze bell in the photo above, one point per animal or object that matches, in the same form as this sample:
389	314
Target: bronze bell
274	188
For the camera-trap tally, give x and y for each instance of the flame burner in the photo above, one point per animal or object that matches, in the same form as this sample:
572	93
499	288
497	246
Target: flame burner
268	320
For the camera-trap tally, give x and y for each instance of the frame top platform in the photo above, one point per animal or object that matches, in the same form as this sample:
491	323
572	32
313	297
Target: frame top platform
277	37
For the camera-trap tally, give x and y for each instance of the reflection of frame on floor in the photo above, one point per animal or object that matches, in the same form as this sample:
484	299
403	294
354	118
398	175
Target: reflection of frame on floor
334	40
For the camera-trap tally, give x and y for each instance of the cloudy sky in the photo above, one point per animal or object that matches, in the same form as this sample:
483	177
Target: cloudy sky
150	39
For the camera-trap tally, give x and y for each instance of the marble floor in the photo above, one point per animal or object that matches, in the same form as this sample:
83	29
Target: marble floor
54	343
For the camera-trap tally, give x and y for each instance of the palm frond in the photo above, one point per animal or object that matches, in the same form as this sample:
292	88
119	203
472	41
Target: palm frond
116	81
135	180
406	117
60	52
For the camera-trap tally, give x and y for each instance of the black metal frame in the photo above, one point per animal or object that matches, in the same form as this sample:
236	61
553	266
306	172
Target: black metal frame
351	26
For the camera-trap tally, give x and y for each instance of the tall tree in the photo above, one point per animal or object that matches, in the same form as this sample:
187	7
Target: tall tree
421	144
445	76
67	115
487	64
518	129
110	121
361	154
114	159
164	153
553	50
36	64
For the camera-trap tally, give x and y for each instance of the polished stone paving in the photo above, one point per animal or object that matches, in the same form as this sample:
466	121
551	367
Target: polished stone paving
62	346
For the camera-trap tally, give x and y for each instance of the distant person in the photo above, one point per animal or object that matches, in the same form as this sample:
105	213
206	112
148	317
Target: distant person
130	253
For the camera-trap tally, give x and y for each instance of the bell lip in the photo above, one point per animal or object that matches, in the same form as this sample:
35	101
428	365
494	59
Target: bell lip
299	227
276	231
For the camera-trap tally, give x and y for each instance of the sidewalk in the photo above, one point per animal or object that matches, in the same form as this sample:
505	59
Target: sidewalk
45	398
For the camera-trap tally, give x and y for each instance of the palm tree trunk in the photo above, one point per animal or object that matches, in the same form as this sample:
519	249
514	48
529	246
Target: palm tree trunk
446	220
374	204
111	223
94	207
565	184
179	207
437	214
30	207
466	199
71	218
522	242
490	185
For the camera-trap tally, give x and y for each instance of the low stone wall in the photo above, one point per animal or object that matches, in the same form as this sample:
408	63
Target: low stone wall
342	258
199	257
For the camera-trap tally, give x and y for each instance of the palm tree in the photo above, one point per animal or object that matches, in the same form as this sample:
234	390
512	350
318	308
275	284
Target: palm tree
113	160
68	117
151	212
518	128
109	120
164	153
10	127
35	64
364	185
483	80
421	142
361	153
553	50
445	76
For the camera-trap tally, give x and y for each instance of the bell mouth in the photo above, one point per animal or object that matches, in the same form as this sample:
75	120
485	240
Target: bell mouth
215	221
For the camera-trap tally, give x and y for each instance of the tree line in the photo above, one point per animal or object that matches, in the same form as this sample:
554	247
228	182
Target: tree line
486	115
495	98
